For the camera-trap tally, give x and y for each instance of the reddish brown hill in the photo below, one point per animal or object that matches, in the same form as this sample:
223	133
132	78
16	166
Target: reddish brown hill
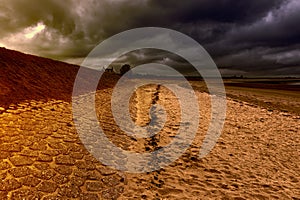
27	77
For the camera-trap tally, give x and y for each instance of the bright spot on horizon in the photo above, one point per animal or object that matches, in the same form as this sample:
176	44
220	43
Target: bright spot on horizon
30	32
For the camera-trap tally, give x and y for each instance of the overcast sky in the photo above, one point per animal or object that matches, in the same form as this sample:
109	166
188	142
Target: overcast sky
244	37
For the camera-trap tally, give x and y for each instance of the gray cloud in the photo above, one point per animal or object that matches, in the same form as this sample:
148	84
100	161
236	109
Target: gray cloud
241	35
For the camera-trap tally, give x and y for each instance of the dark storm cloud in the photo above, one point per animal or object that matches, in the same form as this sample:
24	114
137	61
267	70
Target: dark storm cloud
137	57
214	10
270	43
18	14
279	28
245	36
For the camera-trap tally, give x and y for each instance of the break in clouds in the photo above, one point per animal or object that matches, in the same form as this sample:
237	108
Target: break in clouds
245	37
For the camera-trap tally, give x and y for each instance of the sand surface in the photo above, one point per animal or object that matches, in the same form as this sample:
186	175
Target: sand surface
42	156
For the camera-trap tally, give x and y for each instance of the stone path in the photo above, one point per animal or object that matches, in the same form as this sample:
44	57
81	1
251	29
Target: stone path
43	158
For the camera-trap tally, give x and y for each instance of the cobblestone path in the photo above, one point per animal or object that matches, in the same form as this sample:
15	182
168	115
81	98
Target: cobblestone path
42	157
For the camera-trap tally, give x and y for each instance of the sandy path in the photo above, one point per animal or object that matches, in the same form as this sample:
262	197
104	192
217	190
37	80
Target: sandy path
256	157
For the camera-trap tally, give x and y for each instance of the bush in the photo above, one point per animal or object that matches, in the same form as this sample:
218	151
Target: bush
125	68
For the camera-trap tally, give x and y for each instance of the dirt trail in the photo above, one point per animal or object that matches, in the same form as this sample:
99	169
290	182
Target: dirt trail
256	156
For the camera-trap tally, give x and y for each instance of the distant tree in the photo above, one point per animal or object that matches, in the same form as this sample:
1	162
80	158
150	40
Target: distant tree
109	69
125	68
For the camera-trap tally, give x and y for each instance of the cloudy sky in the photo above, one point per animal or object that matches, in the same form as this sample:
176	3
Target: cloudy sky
244	37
